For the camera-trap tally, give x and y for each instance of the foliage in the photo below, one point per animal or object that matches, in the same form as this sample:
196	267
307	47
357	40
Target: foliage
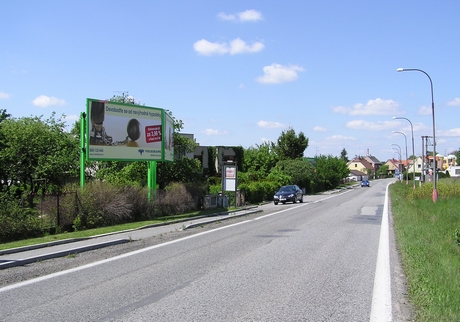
123	98
175	199
259	160
302	173
3	115
344	155
382	172
290	145
17	222
185	170
447	188
331	171
258	191
427	235
36	154
104	204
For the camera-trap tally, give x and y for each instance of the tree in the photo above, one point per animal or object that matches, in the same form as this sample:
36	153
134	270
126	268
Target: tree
301	172
259	160
344	155
330	171
3	115
290	145
383	171
35	152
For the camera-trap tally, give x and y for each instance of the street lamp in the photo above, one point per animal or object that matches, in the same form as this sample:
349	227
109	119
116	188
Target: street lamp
405	138
435	190
413	146
399	166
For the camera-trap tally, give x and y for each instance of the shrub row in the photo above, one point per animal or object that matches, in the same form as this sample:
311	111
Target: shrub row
97	205
447	188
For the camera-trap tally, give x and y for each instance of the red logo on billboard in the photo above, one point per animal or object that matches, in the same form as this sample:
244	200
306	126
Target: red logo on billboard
153	133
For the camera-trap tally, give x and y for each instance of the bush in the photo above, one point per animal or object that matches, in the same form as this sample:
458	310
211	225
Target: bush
175	199
18	223
256	192
102	205
447	188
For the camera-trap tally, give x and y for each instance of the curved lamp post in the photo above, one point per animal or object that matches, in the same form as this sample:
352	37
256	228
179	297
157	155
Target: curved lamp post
435	190
413	146
405	138
400	157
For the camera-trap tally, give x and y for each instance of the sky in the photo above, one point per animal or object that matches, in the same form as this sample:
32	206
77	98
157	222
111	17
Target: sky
239	73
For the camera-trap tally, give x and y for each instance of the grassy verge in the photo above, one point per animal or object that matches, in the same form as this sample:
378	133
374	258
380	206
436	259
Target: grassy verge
428	236
107	230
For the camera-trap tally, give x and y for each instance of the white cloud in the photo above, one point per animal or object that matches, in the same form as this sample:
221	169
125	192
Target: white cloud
374	126
424	110
340	138
71	118
248	15
270	125
319	129
372	107
449	133
225	16
214	132
454	102
207	48
46	101
236	46
4	96
276	74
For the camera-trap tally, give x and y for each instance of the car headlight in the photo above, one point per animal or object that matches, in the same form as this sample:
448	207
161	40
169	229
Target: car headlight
291	195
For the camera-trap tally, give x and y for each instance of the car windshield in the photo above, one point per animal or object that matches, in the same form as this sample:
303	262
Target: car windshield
286	189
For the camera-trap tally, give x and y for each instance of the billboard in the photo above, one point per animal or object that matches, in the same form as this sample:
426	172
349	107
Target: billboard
127	132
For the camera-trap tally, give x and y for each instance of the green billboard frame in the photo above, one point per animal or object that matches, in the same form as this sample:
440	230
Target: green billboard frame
112	131
128	132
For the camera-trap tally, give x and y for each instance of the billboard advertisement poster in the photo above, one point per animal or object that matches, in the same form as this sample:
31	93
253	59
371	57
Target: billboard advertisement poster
124	132
229	178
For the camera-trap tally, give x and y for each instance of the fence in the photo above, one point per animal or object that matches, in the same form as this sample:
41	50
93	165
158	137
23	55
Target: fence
58	211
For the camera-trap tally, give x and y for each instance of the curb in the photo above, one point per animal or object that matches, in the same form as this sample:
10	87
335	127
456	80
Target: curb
220	219
62	253
72	240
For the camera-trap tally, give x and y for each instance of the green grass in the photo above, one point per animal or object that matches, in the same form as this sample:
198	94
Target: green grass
107	230
428	236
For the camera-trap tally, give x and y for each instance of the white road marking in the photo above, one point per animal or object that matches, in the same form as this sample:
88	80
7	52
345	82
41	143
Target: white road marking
381	298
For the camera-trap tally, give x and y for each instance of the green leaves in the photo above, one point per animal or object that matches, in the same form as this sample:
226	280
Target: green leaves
33	148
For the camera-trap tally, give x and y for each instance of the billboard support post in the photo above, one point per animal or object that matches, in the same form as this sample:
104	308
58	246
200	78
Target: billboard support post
152	178
82	148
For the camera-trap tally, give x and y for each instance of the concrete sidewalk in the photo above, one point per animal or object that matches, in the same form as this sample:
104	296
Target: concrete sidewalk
29	254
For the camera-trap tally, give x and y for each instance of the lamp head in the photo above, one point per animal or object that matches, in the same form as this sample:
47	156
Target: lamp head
400	70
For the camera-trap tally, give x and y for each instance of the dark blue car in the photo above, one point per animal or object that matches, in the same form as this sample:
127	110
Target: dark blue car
365	183
290	193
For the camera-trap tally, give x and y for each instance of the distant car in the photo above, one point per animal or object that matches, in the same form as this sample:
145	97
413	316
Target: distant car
288	193
365	183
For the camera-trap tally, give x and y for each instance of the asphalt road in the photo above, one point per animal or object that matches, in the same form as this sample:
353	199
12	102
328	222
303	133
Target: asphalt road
314	261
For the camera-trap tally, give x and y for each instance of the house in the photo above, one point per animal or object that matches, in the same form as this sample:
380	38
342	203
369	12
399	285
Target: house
361	165
376	164
394	166
418	164
447	161
356	175
211	158
454	171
